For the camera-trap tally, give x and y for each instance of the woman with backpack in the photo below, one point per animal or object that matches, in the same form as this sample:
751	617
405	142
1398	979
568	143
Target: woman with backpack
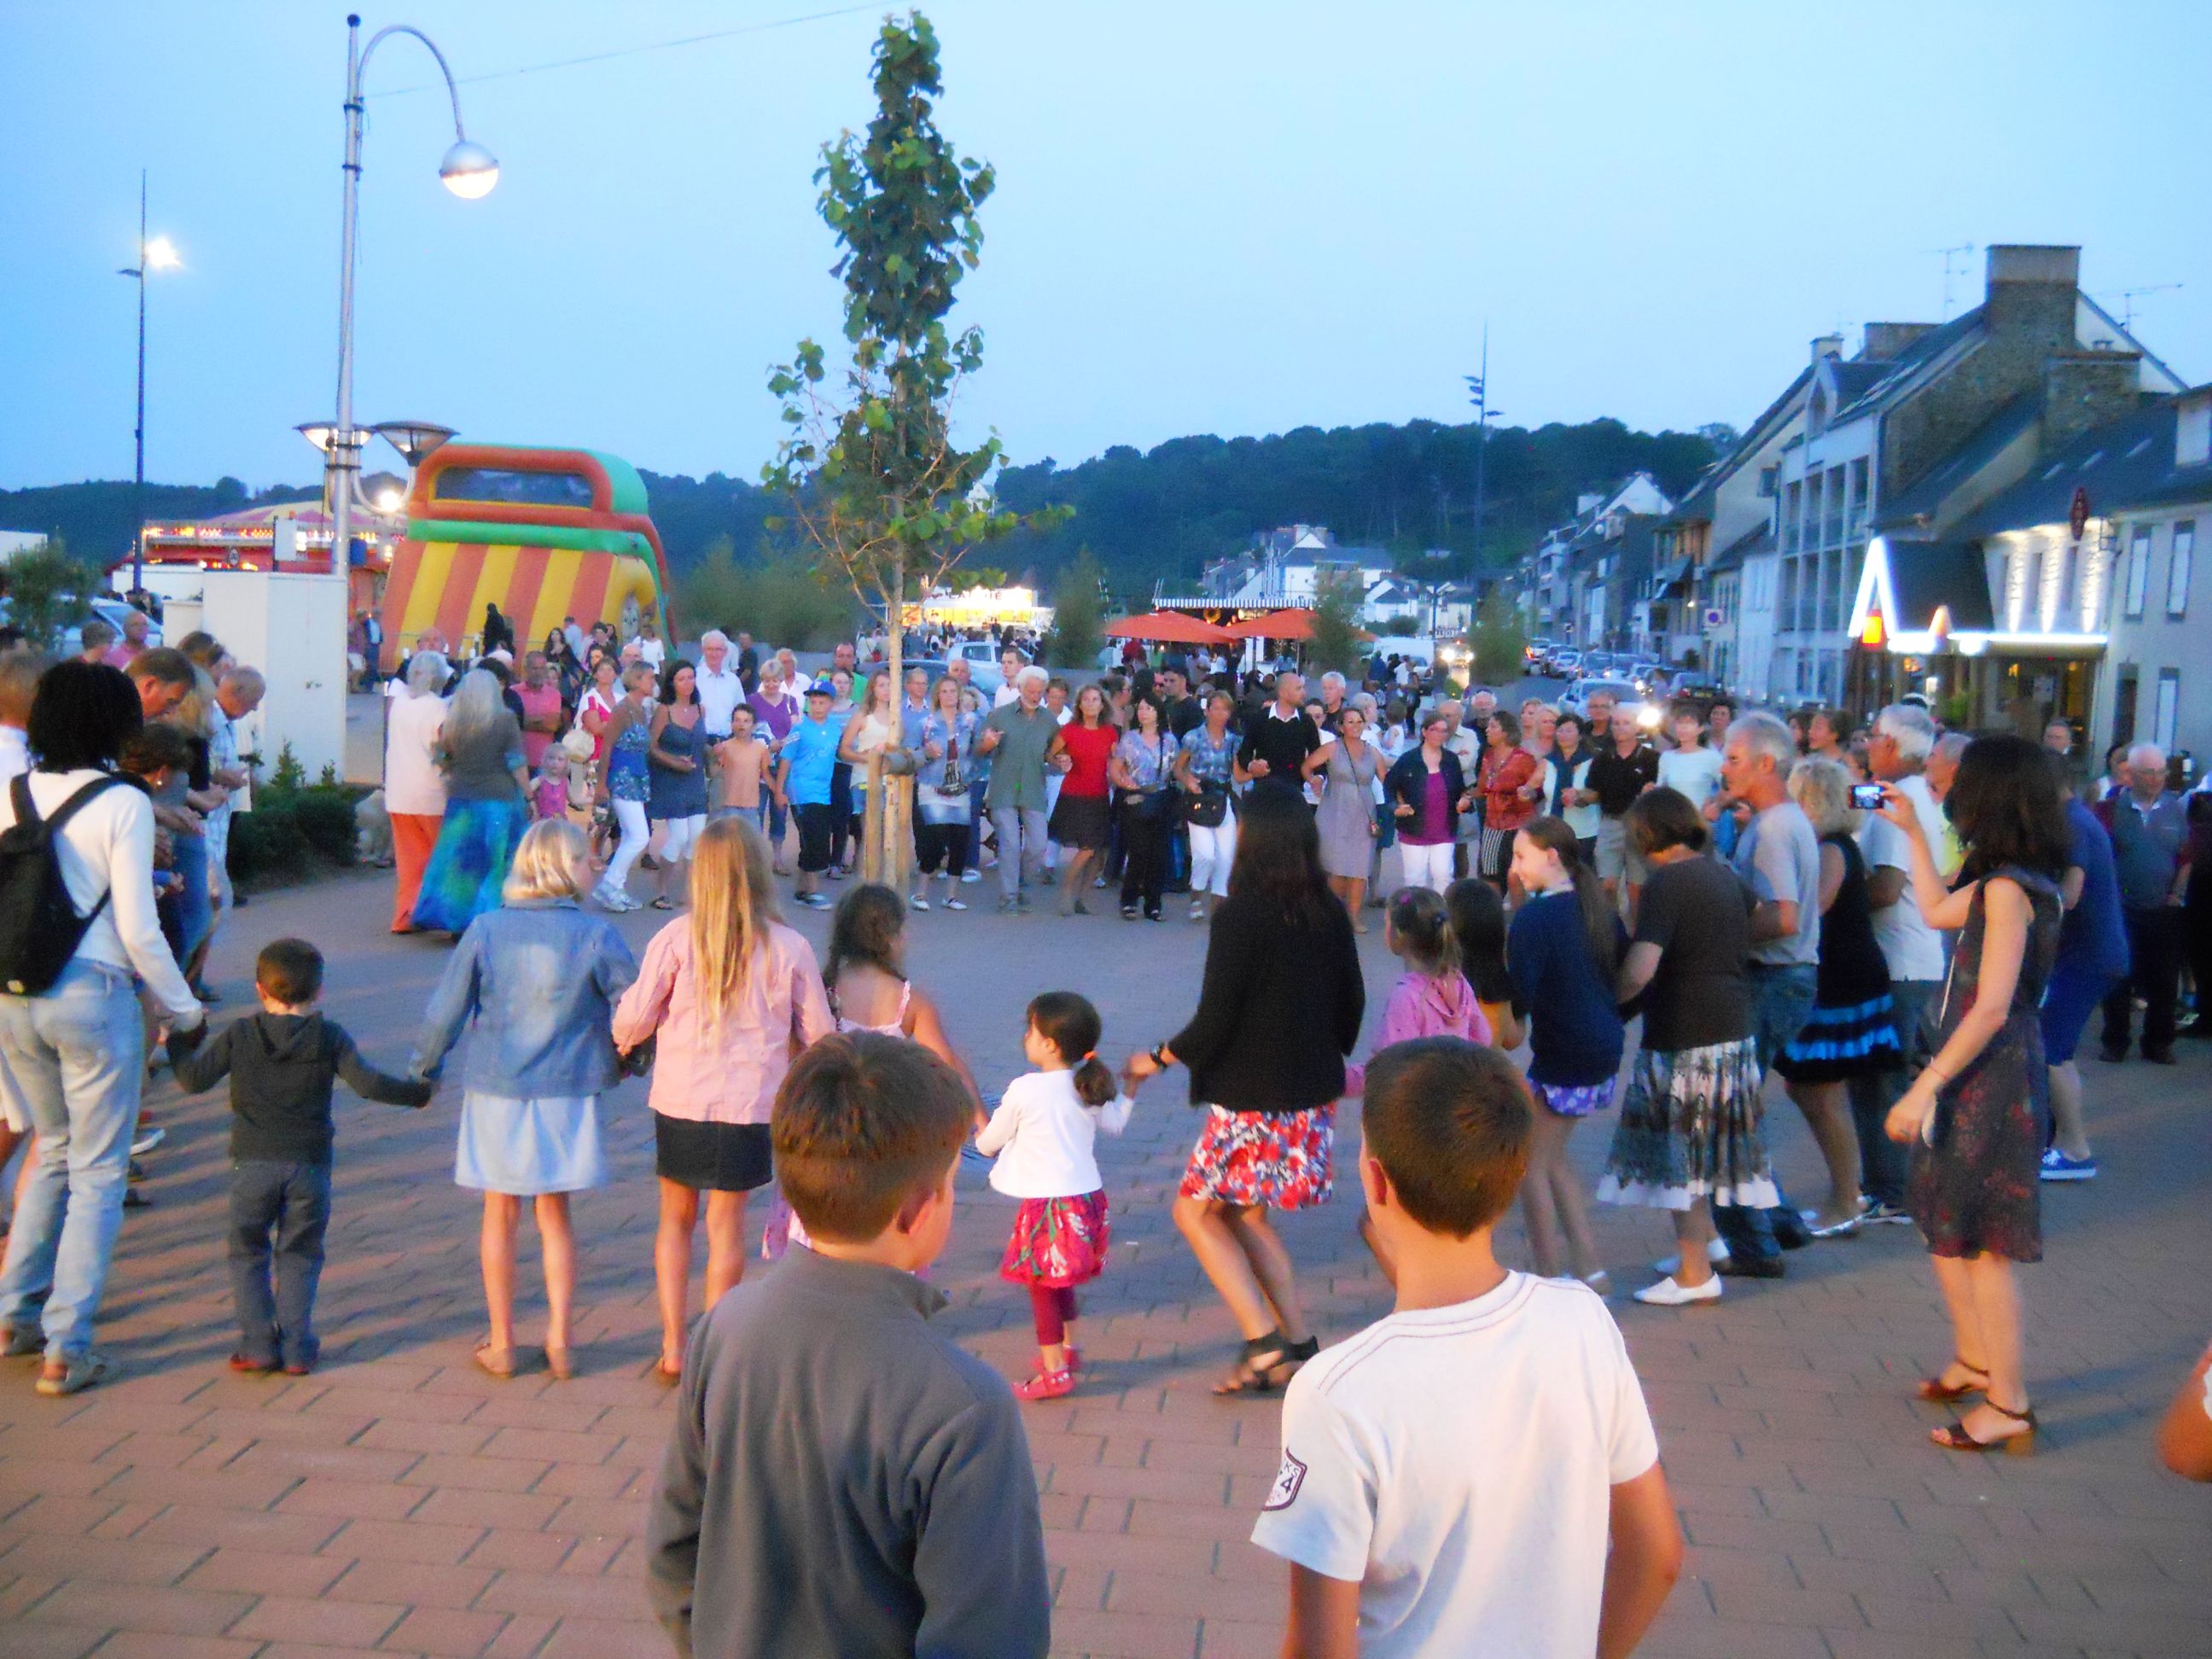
77	922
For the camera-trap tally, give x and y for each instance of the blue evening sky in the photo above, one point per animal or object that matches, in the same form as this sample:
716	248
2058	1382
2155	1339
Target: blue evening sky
1213	216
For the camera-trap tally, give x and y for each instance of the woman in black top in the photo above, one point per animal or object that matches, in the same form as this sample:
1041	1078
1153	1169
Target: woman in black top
1279	1010
1689	1135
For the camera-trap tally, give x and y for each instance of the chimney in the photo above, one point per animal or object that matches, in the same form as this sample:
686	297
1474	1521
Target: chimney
1885	340
2082	390
2031	296
2192	428
1827	345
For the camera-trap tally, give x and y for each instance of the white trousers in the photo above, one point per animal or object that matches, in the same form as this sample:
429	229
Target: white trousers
1427	867
1211	852
635	835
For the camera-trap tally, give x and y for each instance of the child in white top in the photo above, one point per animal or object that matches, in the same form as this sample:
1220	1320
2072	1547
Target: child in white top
1453	1475
1042	1134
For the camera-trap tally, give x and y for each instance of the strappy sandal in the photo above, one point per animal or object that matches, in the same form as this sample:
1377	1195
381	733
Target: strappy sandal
1294	1354
1955	1437
1250	1377
1941	1393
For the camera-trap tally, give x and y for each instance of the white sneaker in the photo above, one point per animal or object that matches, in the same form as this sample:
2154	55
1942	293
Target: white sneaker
1716	1252
1668	1294
971	875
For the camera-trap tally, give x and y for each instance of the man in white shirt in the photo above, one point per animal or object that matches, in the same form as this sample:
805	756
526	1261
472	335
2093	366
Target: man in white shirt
1010	668
794	682
721	688
1897	749
1475	1474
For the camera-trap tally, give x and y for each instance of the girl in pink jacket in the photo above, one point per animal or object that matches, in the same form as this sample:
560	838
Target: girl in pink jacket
1432	997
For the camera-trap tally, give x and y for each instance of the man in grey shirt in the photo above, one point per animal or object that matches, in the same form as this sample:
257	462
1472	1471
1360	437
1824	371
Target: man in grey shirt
1016	737
1779	857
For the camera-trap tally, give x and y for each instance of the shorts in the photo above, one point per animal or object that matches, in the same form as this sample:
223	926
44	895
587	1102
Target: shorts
756	816
713	1157
1616	857
2072	995
1572	1099
817	820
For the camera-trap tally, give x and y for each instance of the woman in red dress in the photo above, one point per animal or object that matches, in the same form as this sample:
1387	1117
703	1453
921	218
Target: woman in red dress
1082	820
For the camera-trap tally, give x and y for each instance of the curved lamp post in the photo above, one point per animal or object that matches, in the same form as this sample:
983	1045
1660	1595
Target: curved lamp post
469	172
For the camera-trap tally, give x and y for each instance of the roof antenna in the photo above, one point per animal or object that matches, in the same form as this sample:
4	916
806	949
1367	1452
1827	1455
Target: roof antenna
1952	267
2126	297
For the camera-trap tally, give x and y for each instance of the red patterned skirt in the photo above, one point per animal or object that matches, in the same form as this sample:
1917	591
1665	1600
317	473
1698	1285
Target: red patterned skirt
1283	1160
1057	1243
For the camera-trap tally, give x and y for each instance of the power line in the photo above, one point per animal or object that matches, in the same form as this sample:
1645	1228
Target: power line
635	51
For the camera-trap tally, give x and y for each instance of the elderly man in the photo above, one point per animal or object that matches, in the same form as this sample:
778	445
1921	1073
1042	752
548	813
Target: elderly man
2058	738
2150	838
794	681
721	688
1904	737
136	627
1778	858
1017	737
1481	704
1278	741
914	708
1597	722
236	697
1332	702
1943	763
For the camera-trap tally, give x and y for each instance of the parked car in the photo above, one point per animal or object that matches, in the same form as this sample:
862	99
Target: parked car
1566	662
1599	662
1536	650
1628	701
111	611
982	660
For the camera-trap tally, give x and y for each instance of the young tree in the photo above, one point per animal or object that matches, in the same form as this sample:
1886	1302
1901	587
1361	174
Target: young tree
1078	612
1498	640
879	486
47	590
1336	633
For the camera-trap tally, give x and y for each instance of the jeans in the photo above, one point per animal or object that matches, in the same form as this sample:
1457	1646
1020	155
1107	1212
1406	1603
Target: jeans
779	824
76	1057
294	1199
1882	1160
2154	949
1781	999
1021	847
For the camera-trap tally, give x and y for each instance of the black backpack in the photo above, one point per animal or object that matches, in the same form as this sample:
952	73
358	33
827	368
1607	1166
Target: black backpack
39	927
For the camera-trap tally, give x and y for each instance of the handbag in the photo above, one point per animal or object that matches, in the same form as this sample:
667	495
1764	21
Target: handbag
1209	808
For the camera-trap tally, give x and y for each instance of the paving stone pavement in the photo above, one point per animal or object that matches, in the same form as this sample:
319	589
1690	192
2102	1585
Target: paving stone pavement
399	1502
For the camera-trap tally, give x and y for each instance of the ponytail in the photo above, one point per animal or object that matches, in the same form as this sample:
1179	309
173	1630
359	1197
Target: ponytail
1601	924
1068	1022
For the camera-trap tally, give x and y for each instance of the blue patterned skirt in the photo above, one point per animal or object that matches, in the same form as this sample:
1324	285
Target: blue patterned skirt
469	865
1837	1044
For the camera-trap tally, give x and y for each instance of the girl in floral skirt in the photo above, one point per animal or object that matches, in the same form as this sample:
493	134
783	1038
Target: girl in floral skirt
1043	1135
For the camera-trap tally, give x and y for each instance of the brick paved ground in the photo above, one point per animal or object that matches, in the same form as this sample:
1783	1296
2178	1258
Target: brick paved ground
399	1502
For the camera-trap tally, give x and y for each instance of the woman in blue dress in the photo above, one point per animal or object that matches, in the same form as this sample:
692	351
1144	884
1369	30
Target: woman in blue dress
479	749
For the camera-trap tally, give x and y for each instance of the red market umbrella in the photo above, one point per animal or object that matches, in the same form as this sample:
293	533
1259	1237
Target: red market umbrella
1170	626
1292	625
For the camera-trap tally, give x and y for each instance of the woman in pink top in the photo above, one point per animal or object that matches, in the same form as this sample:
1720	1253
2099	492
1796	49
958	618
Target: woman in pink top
1432	997
730	994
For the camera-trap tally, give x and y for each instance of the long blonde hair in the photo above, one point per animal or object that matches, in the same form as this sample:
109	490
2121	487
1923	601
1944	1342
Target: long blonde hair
552	862
732	903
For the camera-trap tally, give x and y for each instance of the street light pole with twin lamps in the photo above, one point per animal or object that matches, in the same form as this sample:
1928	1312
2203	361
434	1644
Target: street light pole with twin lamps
469	172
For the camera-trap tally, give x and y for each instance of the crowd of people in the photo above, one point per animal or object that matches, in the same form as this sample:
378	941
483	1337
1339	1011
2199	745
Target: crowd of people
1911	935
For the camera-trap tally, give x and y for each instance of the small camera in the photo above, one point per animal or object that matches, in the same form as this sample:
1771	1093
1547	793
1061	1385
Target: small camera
1867	797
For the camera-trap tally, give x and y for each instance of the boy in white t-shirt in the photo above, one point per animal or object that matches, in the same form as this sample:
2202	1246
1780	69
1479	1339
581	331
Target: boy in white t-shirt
1451	1476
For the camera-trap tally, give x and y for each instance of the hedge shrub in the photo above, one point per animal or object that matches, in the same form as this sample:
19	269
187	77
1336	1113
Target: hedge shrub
293	831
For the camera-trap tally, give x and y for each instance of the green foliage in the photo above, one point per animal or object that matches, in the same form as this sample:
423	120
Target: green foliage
1335	643
293	830
779	601
1498	640
47	590
879	487
102	515
290	776
1078	612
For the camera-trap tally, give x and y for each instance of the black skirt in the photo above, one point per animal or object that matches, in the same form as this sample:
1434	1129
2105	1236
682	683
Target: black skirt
713	1157
1083	821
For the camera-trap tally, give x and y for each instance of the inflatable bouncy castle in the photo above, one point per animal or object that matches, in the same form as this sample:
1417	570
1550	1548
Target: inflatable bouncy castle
544	534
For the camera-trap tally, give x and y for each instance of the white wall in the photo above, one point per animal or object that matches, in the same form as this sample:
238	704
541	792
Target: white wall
292	627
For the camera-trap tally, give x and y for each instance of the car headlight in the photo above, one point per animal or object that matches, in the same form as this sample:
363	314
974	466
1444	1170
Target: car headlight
1648	717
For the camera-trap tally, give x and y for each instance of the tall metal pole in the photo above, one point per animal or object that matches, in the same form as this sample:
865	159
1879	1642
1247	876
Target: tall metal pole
343	460
1481	443
138	435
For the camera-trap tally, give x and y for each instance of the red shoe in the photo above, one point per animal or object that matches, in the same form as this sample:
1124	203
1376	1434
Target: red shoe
1046	1385
251	1367
1074	1360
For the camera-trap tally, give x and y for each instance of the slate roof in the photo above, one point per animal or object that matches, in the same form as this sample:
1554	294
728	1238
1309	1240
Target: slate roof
1924	575
1927	493
1757	539
2123	464
1893	374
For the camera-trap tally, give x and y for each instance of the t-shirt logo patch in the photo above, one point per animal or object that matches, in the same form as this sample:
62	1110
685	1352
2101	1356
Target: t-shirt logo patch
1288	1479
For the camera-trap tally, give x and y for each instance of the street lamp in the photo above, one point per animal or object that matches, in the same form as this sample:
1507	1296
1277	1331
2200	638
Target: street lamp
158	253
469	172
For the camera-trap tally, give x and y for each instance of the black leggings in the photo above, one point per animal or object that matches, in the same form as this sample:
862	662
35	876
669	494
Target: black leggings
1145	862
1052	1307
940	843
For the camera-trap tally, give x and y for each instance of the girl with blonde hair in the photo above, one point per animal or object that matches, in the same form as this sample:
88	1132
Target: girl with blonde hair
727	995
537	980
